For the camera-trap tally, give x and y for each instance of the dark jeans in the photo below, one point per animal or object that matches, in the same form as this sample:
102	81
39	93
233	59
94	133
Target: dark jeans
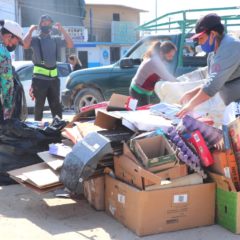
49	89
142	98
1	112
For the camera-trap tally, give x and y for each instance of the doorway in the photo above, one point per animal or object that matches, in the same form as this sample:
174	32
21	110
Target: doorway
114	54
83	56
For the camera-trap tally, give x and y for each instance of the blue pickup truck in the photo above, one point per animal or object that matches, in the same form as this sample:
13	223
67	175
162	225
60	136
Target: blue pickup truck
89	86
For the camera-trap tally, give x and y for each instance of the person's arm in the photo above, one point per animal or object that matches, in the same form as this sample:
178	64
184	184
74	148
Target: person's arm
28	37
68	39
199	98
224	65
6	79
189	95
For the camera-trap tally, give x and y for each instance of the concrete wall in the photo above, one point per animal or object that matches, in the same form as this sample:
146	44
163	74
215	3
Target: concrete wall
7	9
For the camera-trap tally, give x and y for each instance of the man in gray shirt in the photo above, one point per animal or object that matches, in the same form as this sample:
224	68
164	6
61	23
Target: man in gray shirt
45	82
223	65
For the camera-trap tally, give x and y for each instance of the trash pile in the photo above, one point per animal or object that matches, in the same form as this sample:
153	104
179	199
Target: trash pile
146	168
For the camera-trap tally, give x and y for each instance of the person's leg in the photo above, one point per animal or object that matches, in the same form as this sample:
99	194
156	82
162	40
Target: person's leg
1	112
142	99
40	88
53	97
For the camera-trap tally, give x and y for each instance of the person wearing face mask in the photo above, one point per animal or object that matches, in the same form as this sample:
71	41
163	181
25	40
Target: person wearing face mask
45	82
11	34
151	70
223	65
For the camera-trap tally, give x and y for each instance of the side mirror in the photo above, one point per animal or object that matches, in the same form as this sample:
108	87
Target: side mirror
126	63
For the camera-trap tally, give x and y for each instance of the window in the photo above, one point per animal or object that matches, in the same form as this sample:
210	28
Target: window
116	17
25	74
114	54
193	55
63	70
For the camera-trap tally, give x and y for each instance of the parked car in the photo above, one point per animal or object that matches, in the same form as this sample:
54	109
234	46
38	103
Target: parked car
24	70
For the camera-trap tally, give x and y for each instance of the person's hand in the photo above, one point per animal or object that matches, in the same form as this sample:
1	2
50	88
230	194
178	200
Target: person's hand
31	94
33	28
58	26
186	98
7	113
184	111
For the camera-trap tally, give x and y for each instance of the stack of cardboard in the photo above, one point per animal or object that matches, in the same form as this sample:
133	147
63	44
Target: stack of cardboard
225	172
147	187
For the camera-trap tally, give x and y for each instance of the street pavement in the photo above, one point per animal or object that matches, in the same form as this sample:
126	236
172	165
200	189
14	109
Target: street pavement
26	215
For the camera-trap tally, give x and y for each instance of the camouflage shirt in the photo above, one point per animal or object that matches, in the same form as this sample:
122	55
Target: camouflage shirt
6	81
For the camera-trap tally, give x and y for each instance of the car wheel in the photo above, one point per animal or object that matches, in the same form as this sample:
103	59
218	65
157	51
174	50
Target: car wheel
87	97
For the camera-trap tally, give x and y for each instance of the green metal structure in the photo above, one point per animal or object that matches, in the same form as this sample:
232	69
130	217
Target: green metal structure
184	21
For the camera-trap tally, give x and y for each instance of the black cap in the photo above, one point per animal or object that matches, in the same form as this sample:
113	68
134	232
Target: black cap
206	23
45	18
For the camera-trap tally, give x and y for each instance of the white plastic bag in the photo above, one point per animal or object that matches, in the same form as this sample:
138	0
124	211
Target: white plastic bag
171	92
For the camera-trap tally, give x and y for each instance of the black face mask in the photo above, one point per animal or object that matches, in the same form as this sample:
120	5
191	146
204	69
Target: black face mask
12	48
45	29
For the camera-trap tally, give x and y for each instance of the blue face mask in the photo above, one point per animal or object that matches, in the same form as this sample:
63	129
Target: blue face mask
207	47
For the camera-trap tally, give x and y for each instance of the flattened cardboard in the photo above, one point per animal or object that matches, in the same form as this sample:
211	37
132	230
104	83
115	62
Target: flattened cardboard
53	161
94	192
87	127
38	175
157	211
35	189
188	180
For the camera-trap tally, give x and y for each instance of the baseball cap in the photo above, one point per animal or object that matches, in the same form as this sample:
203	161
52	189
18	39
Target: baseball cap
206	23
45	18
14	28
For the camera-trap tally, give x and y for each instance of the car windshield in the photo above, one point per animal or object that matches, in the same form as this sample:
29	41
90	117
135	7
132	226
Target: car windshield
140	50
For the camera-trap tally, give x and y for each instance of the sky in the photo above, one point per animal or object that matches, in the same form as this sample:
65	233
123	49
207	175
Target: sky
165	6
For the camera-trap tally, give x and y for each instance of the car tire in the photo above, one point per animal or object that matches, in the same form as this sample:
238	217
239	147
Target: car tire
87	97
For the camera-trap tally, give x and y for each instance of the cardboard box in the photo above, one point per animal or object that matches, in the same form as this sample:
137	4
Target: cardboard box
154	151
226	165
121	102
94	192
227	204
234	132
131	172
128	169
165	210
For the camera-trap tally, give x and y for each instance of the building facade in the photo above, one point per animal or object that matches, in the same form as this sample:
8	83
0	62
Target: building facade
101	33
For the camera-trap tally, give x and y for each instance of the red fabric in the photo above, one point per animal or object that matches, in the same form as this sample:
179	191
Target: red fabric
150	82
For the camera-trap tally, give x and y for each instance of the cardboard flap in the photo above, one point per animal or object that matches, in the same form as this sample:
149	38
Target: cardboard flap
107	120
129	171
54	162
121	102
222	182
38	175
